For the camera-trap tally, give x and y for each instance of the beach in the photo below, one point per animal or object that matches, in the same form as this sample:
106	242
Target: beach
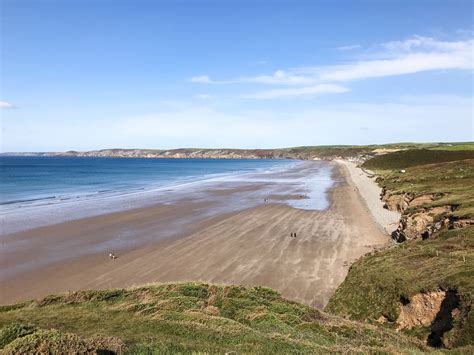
184	240
365	184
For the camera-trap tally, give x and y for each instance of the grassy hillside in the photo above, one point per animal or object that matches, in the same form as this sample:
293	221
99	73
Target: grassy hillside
416	157
328	151
452	181
378	285
187	317
303	152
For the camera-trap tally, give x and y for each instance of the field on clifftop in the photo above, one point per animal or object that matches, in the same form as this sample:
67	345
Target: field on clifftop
424	285
187	318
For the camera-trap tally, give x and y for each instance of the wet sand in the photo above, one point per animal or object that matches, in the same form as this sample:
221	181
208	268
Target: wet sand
251	247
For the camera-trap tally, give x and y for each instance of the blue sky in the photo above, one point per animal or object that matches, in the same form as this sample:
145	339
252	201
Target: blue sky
249	74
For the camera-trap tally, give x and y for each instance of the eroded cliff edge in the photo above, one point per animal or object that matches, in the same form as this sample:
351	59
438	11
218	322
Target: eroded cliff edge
423	284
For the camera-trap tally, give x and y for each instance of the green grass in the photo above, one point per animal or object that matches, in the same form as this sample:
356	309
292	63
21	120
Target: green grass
376	283
455	146
451	181
303	152
345	151
174	318
410	158
13	331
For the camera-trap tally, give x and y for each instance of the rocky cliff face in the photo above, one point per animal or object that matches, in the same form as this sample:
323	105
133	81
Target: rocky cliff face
417	221
179	153
303	153
437	310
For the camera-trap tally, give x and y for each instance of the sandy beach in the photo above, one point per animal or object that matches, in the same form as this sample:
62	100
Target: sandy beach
251	246
369	190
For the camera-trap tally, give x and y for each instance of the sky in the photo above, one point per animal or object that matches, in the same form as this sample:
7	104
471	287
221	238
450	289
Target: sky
84	75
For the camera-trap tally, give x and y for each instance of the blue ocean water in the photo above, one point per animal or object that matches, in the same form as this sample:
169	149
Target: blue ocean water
32	180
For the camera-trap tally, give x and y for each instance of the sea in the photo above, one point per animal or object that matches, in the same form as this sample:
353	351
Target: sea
39	190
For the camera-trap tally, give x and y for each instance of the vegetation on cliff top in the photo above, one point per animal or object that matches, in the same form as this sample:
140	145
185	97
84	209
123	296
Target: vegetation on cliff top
187	317
303	152
450	180
378	284
415	157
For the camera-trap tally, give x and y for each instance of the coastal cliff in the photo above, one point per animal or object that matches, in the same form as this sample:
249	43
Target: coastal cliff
357	153
179	153
422	285
187	318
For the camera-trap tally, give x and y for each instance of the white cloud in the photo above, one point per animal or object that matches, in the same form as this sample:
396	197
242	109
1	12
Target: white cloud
425	43
409	64
200	79
5	105
299	91
278	77
413	55
349	48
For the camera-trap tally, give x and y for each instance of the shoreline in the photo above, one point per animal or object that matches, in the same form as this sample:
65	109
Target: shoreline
65	206
251	246
370	192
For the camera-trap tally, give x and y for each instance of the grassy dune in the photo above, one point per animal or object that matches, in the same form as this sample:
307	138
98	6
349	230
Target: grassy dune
187	317
378	284
416	157
450	175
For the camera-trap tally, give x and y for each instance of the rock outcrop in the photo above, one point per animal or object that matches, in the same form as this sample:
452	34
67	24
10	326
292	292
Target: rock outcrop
396	202
417	222
420	310
436	309
422	225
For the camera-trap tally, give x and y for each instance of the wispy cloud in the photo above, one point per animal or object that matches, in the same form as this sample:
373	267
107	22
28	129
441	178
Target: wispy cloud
299	91
413	55
349	48
279	77
6	105
409	64
200	79
417	54
426	44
